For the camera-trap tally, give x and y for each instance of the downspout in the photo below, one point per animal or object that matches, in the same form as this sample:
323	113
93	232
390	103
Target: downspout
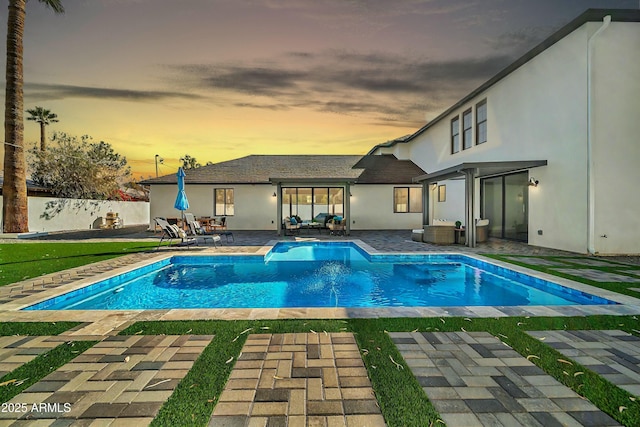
591	222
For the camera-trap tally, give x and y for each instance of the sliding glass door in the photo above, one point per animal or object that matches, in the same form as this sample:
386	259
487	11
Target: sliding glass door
308	202
505	202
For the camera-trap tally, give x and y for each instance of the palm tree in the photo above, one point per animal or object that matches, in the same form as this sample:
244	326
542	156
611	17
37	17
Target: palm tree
45	118
14	189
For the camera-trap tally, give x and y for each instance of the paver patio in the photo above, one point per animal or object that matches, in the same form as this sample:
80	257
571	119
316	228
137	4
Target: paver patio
473	379
121	381
614	355
17	350
107	389
304	379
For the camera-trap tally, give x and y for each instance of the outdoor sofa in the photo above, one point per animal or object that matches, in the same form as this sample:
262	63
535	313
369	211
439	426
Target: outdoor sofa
441	232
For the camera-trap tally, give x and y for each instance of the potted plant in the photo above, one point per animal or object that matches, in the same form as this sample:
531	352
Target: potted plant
458	224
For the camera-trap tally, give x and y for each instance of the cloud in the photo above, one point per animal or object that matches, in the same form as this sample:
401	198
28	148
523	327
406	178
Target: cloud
381	87
520	40
42	91
260	81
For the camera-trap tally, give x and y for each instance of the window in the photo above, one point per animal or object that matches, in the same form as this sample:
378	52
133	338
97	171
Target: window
309	202
407	199
224	204
442	193
481	122
467	133
455	135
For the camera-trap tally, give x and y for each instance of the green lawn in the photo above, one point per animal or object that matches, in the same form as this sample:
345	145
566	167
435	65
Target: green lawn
21	261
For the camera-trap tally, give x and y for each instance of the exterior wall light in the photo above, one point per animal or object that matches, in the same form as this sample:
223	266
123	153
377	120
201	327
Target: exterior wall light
533	182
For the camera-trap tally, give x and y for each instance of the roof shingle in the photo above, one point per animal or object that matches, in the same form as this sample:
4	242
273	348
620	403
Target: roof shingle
264	169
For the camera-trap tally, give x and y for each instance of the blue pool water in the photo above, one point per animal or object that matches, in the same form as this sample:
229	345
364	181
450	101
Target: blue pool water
327	274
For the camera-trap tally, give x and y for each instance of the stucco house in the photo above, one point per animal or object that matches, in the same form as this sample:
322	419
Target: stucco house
547	150
257	192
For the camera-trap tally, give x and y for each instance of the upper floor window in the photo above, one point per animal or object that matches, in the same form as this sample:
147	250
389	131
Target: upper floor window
407	199
455	135
224	202
467	134
481	122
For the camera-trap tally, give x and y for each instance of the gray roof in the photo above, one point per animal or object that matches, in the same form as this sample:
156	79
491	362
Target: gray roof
266	169
32	187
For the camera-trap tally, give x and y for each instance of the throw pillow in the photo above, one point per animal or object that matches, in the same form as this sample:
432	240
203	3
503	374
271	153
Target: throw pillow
293	221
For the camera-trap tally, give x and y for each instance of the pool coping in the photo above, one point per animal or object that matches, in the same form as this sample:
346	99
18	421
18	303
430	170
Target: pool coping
113	319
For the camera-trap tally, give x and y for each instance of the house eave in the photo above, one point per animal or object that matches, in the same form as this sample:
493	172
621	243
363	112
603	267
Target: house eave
483	169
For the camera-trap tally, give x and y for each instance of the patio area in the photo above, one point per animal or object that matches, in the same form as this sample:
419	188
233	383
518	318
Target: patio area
311	378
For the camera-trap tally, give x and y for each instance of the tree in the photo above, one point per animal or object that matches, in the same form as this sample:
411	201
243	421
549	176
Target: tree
45	118
14	189
189	162
79	168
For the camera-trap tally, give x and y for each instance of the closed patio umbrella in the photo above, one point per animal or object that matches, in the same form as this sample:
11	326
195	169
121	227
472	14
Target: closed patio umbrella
182	204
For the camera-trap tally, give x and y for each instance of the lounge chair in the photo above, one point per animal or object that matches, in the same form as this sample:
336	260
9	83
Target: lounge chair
172	231
188	217
227	234
197	230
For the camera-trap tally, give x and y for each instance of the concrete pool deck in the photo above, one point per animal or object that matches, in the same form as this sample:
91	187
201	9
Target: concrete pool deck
313	378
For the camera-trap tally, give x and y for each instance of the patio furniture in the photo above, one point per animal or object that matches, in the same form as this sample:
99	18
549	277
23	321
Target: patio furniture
417	234
310	225
172	231
291	225
113	220
337	226
198	231
482	230
440	233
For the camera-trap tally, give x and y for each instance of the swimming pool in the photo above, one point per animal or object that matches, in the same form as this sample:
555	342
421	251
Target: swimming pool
317	274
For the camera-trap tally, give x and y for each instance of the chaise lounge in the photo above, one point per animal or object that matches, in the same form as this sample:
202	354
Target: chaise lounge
172	231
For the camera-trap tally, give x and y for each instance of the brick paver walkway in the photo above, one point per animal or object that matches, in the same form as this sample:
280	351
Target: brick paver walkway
17	350
19	290
302	379
598	275
121	381
473	379
614	355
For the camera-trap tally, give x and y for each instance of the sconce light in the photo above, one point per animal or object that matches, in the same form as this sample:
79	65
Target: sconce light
533	182
350	195
434	186
274	194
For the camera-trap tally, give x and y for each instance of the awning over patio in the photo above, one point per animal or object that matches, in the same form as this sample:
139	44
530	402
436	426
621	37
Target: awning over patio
470	171
482	170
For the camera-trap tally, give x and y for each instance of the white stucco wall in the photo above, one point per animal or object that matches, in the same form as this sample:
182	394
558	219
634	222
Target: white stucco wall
255	206
616	139
538	112
256	209
372	209
452	209
54	214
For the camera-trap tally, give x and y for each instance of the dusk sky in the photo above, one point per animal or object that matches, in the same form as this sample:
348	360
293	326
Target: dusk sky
221	79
